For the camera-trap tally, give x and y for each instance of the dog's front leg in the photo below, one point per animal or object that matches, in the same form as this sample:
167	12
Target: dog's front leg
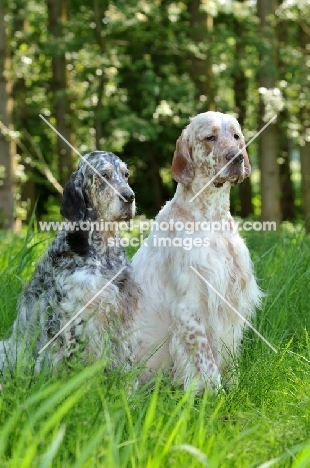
191	353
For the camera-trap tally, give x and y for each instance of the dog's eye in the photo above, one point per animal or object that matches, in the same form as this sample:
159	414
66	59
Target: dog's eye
236	136
105	175
126	174
210	138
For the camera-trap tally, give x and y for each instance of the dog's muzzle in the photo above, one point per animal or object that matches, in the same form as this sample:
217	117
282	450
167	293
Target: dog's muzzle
128	204
127	196
235	156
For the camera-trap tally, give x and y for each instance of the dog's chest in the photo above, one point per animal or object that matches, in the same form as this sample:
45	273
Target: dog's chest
228	267
223	263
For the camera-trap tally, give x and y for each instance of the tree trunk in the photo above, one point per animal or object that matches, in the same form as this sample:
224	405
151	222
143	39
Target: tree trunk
57	17
240	87
305	149
201	69
287	188
7	147
100	8
21	114
268	143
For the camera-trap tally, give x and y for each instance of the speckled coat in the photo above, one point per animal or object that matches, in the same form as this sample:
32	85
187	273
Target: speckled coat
185	327
75	267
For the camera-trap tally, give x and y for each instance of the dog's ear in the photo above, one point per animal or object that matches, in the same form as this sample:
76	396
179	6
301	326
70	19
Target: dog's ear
247	165
182	164
73	205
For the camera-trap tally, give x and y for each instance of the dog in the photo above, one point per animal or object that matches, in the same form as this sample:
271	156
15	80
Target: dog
84	282
188	325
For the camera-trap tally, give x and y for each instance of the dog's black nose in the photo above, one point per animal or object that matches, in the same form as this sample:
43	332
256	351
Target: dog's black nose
128	195
236	154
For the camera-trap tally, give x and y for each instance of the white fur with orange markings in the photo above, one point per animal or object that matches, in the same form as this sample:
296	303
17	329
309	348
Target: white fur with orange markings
185	327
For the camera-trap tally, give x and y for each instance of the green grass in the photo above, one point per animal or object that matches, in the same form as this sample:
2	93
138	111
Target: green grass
86	418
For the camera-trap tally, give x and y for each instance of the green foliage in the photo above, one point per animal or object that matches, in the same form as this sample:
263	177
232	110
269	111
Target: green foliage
143	57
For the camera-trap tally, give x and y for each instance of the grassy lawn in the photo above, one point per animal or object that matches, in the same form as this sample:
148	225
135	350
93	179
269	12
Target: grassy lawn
86	418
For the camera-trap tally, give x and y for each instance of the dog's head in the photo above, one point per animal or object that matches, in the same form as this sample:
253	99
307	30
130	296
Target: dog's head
213	146
99	190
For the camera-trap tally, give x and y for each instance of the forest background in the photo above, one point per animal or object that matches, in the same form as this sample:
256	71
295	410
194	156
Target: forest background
126	75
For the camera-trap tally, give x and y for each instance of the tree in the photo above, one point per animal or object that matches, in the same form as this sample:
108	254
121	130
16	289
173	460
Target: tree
99	10
287	188
133	72
240	82
201	22
7	147
268	144
21	111
57	18
305	147
154	78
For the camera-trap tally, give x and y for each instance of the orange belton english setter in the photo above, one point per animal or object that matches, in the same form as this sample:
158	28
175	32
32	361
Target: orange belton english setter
185	325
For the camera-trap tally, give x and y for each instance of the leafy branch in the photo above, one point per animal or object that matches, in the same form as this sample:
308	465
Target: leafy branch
40	164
